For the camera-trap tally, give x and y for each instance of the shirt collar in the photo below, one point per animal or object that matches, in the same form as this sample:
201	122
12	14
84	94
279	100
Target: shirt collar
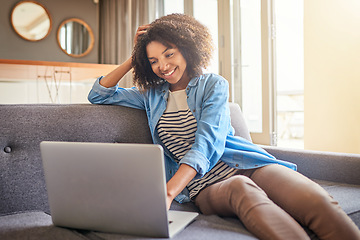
194	81
165	87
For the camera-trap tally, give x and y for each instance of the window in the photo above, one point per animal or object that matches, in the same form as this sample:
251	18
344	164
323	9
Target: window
173	6
260	51
247	61
209	17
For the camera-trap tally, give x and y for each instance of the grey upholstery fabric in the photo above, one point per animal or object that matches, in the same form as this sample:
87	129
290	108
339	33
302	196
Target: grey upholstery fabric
337	167
238	122
33	226
343	193
23	197
23	127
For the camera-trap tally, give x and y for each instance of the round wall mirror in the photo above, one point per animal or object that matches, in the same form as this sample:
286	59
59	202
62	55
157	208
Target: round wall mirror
75	37
31	20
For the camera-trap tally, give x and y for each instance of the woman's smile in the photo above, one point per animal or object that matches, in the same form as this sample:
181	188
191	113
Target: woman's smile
169	73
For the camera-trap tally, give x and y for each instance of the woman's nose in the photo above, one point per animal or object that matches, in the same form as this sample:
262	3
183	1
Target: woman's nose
163	65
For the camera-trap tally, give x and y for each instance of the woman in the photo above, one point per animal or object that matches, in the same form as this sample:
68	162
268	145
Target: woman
188	115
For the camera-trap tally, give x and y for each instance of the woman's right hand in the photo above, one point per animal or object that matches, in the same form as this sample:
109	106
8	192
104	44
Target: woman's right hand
140	31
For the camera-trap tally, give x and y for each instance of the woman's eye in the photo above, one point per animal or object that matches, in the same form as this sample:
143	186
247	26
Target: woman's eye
169	55
152	62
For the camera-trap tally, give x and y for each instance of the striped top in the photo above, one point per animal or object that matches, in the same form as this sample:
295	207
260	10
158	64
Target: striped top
176	129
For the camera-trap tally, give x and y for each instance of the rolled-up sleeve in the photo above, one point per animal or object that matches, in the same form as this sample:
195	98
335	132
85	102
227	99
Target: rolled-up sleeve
128	97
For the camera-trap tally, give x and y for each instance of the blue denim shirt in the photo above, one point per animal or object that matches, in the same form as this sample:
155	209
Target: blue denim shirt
207	98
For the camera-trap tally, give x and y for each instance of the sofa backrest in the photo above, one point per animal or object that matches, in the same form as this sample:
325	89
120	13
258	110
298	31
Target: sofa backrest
23	127
238	122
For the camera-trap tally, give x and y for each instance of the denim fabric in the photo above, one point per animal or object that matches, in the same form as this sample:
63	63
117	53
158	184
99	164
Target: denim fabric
214	139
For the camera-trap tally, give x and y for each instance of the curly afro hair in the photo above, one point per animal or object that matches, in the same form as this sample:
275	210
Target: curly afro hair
193	40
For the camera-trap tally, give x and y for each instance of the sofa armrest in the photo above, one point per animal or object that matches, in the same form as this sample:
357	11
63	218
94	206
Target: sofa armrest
329	166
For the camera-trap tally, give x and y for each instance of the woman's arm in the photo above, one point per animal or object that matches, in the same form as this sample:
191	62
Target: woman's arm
112	79
178	182
106	91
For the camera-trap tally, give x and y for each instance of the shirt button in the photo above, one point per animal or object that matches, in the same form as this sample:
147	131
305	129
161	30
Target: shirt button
163	91
188	88
236	165
194	110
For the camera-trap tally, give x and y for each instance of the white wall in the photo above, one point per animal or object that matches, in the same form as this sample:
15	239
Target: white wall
332	75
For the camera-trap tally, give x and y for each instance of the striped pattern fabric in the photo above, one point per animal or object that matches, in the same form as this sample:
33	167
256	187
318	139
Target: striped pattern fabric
176	129
220	171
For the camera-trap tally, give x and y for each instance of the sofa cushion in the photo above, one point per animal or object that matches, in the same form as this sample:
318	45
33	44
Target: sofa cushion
348	197
38	225
215	227
238	122
33	225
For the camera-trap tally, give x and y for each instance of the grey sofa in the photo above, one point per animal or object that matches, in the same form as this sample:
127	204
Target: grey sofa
24	210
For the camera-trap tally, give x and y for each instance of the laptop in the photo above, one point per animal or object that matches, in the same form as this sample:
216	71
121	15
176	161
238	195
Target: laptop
110	187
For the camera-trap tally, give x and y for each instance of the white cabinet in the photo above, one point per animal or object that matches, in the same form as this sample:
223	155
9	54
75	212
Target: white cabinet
26	82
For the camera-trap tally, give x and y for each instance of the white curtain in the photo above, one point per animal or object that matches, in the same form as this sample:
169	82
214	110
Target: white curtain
119	20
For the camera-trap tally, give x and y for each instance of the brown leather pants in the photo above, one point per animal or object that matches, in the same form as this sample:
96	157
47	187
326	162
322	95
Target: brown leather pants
271	202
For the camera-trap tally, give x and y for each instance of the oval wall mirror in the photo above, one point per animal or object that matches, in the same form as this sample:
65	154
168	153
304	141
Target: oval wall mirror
31	20
75	37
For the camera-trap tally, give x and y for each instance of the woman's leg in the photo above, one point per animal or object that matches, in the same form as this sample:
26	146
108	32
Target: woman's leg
306	201
240	196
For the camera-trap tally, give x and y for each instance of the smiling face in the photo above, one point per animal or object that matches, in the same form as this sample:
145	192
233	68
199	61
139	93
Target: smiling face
169	64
